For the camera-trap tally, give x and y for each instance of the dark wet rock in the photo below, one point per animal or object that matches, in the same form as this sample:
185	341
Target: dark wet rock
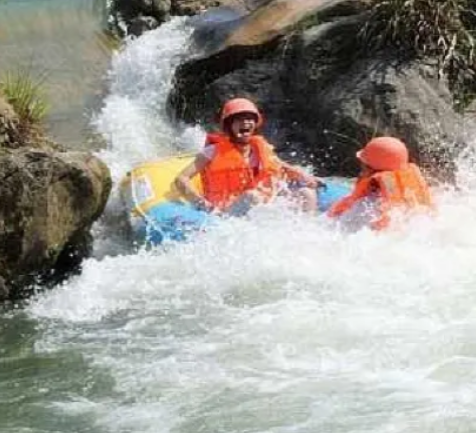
193	7
139	16
248	51
141	24
130	9
49	200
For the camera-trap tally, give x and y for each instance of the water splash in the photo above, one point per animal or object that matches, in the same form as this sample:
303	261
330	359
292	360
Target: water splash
134	119
278	324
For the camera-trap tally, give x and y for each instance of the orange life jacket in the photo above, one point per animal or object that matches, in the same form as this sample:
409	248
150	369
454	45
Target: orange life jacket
405	188
229	174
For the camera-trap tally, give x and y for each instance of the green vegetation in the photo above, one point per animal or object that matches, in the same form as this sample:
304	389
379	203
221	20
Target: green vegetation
443	30
26	96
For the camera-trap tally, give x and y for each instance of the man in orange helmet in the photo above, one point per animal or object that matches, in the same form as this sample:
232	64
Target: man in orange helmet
388	181
239	168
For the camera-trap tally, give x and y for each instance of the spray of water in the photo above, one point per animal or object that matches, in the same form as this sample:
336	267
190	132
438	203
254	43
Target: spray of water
133	119
276	323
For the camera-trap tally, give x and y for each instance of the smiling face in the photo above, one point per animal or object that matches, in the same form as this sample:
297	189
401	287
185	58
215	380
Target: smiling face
242	127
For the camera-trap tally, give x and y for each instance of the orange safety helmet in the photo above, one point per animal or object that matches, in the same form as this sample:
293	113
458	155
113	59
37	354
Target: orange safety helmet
240	105
384	154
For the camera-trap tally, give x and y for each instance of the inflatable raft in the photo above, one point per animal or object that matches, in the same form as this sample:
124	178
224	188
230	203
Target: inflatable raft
156	211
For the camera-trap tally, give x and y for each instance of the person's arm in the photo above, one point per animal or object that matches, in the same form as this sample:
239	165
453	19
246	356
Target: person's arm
184	184
297	173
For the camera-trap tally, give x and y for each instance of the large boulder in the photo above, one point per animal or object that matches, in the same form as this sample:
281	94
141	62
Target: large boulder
322	94
49	200
128	9
247	55
339	102
192	7
139	16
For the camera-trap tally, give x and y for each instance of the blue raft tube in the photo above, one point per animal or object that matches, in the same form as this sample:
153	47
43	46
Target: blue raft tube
157	212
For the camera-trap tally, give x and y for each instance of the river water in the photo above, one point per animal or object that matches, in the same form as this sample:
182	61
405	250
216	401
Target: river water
60	44
278	324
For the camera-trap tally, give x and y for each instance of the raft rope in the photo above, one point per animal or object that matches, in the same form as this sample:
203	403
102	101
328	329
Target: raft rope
149	221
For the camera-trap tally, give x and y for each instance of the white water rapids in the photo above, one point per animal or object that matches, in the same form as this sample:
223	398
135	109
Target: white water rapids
274	325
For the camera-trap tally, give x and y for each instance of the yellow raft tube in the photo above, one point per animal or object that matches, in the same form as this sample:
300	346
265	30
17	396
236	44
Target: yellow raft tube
157	211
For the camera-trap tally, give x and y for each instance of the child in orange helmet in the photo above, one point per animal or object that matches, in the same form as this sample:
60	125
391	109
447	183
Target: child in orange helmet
388	181
239	168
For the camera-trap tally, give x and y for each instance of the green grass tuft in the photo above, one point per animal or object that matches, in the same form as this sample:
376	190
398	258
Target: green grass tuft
26	96
444	30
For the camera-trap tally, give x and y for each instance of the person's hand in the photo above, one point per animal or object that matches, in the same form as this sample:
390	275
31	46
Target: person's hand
312	181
